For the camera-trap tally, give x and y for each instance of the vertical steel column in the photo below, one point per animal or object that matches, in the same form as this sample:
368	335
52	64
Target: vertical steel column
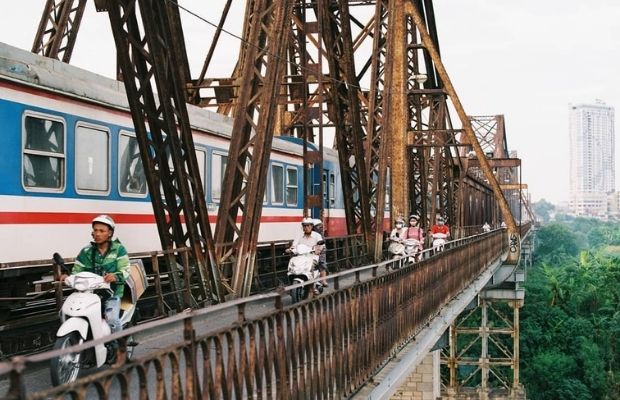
250	146
344	111
396	119
166	145
377	137
58	29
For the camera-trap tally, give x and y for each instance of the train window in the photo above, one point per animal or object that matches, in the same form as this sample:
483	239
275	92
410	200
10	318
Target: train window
92	158
131	178
201	157
326	189
332	190
291	186
43	163
277	187
218	168
387	189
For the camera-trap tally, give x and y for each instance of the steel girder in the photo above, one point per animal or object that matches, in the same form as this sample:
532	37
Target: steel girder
166	144
58	29
376	140
432	168
485	342
413	10
344	110
250	146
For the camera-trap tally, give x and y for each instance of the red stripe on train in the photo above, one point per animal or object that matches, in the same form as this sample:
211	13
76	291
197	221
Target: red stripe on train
85	218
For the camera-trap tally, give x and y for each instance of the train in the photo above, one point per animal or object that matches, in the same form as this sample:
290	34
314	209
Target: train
68	153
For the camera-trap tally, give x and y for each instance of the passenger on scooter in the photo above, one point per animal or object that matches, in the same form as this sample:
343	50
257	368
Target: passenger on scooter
397	236
318	228
106	257
415	232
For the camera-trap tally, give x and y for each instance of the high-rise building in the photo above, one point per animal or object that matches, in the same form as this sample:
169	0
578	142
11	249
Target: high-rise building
592	162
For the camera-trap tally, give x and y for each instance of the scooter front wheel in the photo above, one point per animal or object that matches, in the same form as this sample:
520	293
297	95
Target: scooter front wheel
66	368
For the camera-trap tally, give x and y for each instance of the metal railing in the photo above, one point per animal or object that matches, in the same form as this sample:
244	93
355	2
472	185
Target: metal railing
325	347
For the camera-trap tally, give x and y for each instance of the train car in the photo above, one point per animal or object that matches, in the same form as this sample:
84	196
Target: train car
69	153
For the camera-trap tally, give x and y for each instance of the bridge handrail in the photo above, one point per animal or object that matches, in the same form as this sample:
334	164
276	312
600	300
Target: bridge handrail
374	317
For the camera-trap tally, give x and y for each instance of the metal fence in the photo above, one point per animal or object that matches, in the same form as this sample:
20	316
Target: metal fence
260	347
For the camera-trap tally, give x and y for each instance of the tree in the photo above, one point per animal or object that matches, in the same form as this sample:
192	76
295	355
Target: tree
543	210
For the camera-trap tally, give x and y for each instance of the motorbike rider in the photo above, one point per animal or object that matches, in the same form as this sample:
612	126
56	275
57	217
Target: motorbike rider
311	238
106	257
397	235
440	229
486	227
415	232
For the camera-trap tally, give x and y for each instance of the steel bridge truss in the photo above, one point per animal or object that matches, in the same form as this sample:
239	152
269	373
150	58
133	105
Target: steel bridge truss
149	54
57	32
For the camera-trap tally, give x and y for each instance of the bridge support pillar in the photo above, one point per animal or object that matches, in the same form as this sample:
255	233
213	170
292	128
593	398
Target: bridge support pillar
423	383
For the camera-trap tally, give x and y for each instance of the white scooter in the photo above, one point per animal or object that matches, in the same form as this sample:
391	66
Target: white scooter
439	241
411	249
82	319
302	267
404	248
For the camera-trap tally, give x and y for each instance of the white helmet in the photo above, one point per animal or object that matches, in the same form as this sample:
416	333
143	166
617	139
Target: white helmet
317	222
104	219
307	221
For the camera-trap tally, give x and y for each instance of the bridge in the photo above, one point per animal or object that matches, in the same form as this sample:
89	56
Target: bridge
445	326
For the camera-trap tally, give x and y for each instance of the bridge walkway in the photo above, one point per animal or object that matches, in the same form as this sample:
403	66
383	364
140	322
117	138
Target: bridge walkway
330	346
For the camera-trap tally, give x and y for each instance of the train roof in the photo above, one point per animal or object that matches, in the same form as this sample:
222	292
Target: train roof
31	69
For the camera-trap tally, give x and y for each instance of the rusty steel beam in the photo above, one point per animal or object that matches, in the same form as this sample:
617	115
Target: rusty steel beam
494	162
411	9
513	186
344	111
194	91
166	146
58	29
250	146
397	112
377	139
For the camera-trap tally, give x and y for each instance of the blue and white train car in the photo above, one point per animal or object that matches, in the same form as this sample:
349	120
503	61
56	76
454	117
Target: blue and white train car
68	152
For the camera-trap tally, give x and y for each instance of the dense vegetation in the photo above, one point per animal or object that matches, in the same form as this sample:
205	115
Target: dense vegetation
570	323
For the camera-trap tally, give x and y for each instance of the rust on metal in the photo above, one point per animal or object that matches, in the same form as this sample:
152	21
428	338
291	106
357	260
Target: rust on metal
326	347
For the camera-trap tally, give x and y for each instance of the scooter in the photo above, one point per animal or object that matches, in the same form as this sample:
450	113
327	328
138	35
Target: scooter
404	248
82	319
411	249
302	267
439	241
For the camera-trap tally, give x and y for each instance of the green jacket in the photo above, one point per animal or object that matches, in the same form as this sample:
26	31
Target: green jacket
114	261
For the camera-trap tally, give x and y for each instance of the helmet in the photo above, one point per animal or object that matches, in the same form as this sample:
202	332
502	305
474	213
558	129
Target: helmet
317	222
104	219
399	220
440	219
413	216
307	221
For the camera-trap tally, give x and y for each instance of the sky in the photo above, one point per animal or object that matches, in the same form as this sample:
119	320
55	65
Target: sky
525	59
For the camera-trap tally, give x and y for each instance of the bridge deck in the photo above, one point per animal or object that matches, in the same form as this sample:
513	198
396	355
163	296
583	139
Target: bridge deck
329	346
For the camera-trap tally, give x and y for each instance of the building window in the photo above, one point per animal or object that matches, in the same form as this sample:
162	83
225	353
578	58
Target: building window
43	154
92	159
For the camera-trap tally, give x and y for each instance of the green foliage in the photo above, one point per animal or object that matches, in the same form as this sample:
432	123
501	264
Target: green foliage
570	323
543	210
